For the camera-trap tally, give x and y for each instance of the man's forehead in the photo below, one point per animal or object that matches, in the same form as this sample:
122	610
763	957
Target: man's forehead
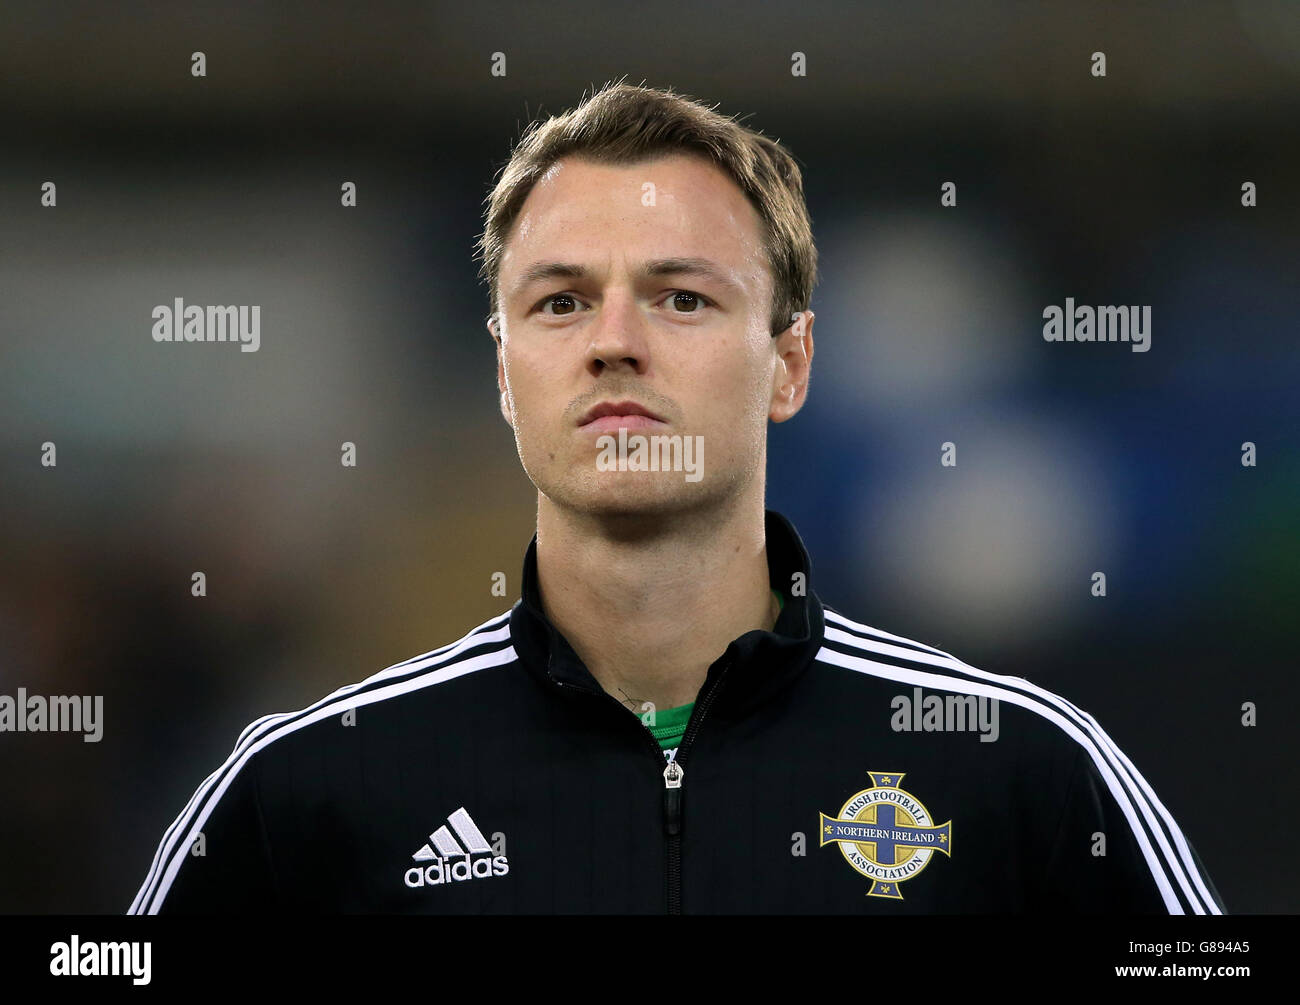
672	214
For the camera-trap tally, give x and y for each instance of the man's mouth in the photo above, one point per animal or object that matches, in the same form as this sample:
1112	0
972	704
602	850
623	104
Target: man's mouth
609	415
612	423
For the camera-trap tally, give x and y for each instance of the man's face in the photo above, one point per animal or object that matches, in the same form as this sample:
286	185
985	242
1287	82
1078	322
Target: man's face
689	342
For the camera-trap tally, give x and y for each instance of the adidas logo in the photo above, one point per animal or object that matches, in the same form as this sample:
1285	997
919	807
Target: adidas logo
453	861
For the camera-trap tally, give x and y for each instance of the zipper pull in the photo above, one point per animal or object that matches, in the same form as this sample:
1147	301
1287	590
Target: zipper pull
673	775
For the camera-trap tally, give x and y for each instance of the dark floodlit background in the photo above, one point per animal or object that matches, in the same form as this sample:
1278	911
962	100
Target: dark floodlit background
1071	458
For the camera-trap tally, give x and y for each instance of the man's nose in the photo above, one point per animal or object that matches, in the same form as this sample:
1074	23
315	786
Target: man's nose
619	334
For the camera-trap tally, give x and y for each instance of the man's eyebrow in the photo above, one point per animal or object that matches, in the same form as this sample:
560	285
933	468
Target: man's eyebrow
701	267
539	271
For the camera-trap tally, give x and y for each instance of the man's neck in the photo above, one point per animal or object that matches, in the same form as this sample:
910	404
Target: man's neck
649	605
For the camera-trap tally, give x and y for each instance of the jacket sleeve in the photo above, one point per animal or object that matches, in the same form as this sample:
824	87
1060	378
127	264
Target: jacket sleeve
216	857
1117	850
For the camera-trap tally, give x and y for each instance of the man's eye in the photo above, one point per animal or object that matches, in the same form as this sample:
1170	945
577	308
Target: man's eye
683	302
681	297
559	299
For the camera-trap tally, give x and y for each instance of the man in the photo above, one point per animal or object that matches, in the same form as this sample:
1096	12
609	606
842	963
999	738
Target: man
669	719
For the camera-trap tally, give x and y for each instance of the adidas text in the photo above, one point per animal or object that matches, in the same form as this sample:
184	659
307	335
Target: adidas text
446	871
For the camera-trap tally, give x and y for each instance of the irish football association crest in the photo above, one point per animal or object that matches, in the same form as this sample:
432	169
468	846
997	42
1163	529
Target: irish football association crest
886	834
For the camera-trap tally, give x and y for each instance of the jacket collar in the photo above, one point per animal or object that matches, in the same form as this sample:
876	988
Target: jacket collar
758	664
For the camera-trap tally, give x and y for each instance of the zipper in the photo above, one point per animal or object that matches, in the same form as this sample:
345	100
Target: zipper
673	774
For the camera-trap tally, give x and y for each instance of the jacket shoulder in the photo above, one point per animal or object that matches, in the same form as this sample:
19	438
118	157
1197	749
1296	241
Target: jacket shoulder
227	806
1103	783
873	652
481	648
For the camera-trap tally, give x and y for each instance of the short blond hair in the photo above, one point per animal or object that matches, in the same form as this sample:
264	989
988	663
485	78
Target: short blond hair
626	124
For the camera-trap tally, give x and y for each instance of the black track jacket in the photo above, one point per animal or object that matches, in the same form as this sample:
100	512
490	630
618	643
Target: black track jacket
828	767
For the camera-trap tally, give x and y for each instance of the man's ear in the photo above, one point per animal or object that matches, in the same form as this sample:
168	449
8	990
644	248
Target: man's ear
794	353
504	399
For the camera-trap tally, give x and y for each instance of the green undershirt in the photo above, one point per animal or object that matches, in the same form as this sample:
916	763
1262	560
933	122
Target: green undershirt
670	723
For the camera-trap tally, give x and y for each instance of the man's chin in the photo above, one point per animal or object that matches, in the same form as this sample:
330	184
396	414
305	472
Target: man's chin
632	496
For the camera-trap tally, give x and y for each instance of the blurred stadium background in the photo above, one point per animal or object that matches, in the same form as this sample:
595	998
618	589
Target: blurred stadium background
1071	458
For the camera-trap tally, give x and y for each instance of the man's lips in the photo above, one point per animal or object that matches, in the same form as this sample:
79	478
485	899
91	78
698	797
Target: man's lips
612	423
614	414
